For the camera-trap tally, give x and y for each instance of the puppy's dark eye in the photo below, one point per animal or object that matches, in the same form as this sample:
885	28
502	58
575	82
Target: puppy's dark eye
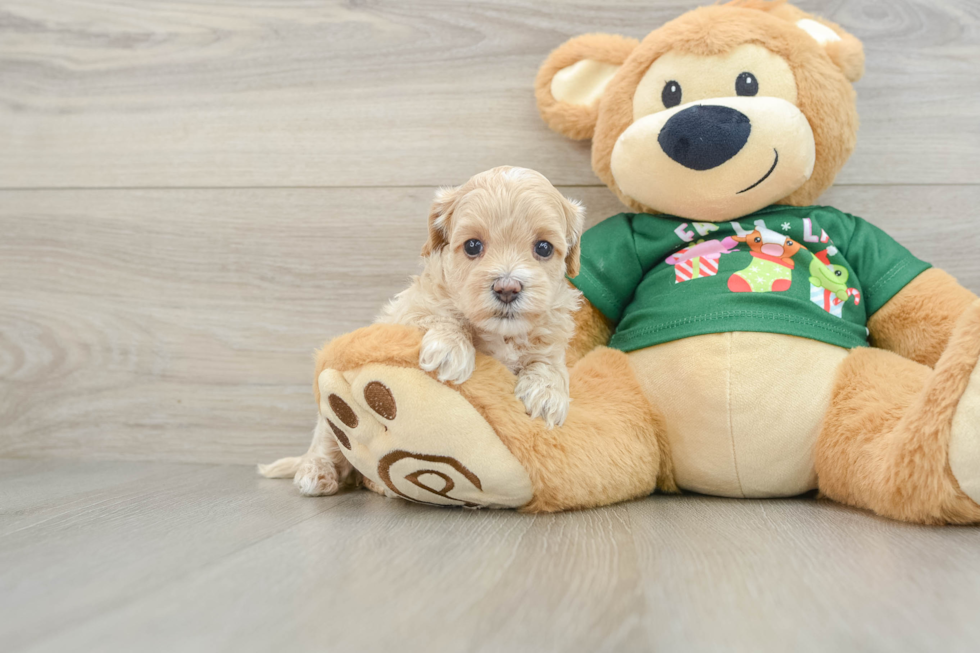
473	247
543	248
671	95
758	240
746	84
789	243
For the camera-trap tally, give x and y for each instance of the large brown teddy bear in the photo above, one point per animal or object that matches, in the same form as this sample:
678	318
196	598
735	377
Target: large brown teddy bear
738	316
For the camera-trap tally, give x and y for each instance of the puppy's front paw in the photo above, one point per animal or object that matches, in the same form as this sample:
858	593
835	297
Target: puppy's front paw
451	356
543	398
317	476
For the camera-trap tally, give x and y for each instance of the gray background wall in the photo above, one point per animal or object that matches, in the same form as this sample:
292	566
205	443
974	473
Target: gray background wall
194	195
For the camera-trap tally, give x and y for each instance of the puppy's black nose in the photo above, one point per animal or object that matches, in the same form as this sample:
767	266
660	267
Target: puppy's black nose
507	290
704	136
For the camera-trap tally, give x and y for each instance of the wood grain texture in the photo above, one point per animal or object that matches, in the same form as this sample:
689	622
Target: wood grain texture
802	575
104	93
206	558
180	324
208	189
89	539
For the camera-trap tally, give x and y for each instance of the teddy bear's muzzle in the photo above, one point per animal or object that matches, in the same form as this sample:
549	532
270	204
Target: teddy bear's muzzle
717	159
705	136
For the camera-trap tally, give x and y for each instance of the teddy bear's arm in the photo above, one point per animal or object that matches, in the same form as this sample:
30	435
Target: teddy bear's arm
917	322
592	329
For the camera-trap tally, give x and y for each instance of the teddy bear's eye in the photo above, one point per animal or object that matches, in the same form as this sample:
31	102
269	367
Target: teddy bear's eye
746	84
671	95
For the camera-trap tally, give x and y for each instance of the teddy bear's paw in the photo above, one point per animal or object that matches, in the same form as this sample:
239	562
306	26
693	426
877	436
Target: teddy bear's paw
420	440
964	441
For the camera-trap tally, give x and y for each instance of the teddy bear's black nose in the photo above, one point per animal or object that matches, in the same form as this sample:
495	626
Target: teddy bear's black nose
703	137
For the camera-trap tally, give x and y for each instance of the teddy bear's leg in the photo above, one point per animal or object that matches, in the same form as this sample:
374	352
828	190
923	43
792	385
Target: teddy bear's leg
473	444
903	439
612	446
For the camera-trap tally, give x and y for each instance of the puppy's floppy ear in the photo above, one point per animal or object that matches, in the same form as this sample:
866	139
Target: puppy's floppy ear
573	78
574	225
440	219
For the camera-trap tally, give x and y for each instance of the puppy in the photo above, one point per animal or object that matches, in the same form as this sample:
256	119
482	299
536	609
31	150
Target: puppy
498	250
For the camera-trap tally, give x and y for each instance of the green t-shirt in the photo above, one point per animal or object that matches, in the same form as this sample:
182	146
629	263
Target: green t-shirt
812	272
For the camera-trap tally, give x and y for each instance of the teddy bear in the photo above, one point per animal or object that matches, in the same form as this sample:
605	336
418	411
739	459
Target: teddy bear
736	338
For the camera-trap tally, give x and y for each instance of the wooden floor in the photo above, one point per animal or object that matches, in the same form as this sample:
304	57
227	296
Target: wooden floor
112	556
194	194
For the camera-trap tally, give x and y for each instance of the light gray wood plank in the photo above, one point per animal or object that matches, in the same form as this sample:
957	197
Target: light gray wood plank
207	93
802	575
376	574
210	289
82	555
180	324
211	558
35	491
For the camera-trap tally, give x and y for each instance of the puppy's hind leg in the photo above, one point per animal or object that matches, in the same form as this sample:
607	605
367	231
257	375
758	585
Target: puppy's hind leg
320	471
323	470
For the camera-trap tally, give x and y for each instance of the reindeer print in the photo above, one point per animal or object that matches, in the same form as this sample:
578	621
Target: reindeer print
771	269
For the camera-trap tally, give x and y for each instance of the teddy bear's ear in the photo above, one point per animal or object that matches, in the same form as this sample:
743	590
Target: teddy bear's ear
843	48
440	219
573	77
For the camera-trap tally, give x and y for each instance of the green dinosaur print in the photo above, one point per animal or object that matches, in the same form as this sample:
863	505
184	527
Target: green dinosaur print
833	278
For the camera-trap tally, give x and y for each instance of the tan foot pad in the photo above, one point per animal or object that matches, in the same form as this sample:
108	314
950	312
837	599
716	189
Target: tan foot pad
964	442
420	439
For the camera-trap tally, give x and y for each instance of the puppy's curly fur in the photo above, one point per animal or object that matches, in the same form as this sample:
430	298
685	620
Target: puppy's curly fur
498	251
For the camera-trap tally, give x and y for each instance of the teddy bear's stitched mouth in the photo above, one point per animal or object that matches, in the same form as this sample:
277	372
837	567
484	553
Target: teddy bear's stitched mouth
765	176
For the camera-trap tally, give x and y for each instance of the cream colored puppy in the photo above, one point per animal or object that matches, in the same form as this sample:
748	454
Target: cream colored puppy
498	251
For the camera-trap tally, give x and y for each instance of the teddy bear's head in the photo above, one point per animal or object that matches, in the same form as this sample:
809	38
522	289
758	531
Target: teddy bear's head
714	115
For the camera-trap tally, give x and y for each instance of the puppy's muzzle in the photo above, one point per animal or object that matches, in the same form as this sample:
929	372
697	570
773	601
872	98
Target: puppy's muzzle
507	290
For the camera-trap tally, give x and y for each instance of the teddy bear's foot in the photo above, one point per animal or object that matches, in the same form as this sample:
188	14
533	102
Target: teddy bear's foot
418	439
964	441
903	439
473	444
